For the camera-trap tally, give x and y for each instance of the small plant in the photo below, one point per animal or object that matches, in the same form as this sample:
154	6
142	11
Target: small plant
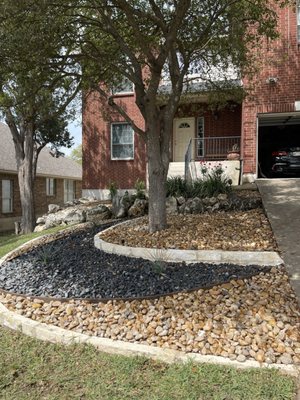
140	188
234	152
234	149
44	254
215	181
159	259
113	190
159	267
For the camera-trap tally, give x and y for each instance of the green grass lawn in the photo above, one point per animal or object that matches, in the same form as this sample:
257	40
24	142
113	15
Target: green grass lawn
10	241
34	370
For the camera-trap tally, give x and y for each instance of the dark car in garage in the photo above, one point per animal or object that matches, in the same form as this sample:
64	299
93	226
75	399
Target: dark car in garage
286	162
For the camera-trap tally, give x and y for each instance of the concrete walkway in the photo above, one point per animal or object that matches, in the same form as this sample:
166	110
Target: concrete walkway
281	199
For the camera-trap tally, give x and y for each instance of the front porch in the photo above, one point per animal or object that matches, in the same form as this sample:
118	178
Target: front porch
202	135
209	152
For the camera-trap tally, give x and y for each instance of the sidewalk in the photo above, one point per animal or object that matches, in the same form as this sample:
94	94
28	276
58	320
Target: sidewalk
281	199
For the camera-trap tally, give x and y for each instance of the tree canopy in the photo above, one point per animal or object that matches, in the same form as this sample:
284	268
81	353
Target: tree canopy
37	85
145	42
76	154
173	41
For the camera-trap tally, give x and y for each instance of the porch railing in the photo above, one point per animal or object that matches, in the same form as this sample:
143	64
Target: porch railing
214	148
187	160
210	149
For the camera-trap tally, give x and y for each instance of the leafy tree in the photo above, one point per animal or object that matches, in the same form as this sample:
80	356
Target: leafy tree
150	41
36	87
76	154
145	42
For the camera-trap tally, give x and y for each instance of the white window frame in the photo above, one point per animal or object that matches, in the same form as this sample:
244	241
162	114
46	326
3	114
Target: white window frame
7	197
117	90
50	186
202	150
69	190
111	141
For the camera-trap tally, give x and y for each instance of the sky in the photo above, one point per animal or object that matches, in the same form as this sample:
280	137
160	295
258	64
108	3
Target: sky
75	129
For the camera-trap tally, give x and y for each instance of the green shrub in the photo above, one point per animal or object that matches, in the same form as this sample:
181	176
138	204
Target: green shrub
176	186
140	188
213	182
113	189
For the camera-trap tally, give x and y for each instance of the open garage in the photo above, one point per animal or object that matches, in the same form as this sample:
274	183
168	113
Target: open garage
279	145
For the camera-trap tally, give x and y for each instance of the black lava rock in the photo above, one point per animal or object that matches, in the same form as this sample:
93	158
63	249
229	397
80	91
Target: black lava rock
73	267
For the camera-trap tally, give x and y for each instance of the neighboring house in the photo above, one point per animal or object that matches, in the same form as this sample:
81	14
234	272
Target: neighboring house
58	180
267	120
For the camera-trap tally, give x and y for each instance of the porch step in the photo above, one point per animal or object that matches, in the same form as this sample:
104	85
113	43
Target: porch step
176	169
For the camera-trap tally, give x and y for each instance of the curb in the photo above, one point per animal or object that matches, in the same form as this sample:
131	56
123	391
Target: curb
58	335
267	258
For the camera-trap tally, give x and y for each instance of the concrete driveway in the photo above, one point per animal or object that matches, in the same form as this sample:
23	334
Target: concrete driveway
281	199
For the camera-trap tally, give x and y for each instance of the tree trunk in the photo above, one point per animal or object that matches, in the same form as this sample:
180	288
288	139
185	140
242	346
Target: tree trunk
25	157
27	196
158	164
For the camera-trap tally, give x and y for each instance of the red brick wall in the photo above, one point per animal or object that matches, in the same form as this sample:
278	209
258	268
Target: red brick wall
280	59
98	168
225	122
41	199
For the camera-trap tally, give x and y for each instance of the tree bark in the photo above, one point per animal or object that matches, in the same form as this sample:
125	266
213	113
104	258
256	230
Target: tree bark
26	186
26	177
26	156
158	164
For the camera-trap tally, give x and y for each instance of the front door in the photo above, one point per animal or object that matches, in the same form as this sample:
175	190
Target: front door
183	131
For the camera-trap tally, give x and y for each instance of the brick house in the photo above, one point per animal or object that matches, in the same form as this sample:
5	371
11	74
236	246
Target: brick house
269	118
58	180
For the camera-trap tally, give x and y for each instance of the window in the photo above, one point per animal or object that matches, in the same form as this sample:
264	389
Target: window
124	87
122	141
184	125
200	137
50	186
298	19
69	190
7	196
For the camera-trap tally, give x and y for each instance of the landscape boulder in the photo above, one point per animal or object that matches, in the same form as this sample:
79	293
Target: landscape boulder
53	208
138	209
98	214
171	205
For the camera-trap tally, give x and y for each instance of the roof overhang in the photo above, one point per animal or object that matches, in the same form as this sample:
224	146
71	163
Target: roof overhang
74	178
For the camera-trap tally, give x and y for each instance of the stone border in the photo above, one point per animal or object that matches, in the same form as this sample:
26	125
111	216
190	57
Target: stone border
54	334
267	258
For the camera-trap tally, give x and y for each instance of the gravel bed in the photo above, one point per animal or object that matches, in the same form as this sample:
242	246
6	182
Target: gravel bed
73	267
231	230
256	318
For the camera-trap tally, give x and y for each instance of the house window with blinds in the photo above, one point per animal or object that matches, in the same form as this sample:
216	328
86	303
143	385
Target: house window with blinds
50	186
7	196
69	190
122	141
